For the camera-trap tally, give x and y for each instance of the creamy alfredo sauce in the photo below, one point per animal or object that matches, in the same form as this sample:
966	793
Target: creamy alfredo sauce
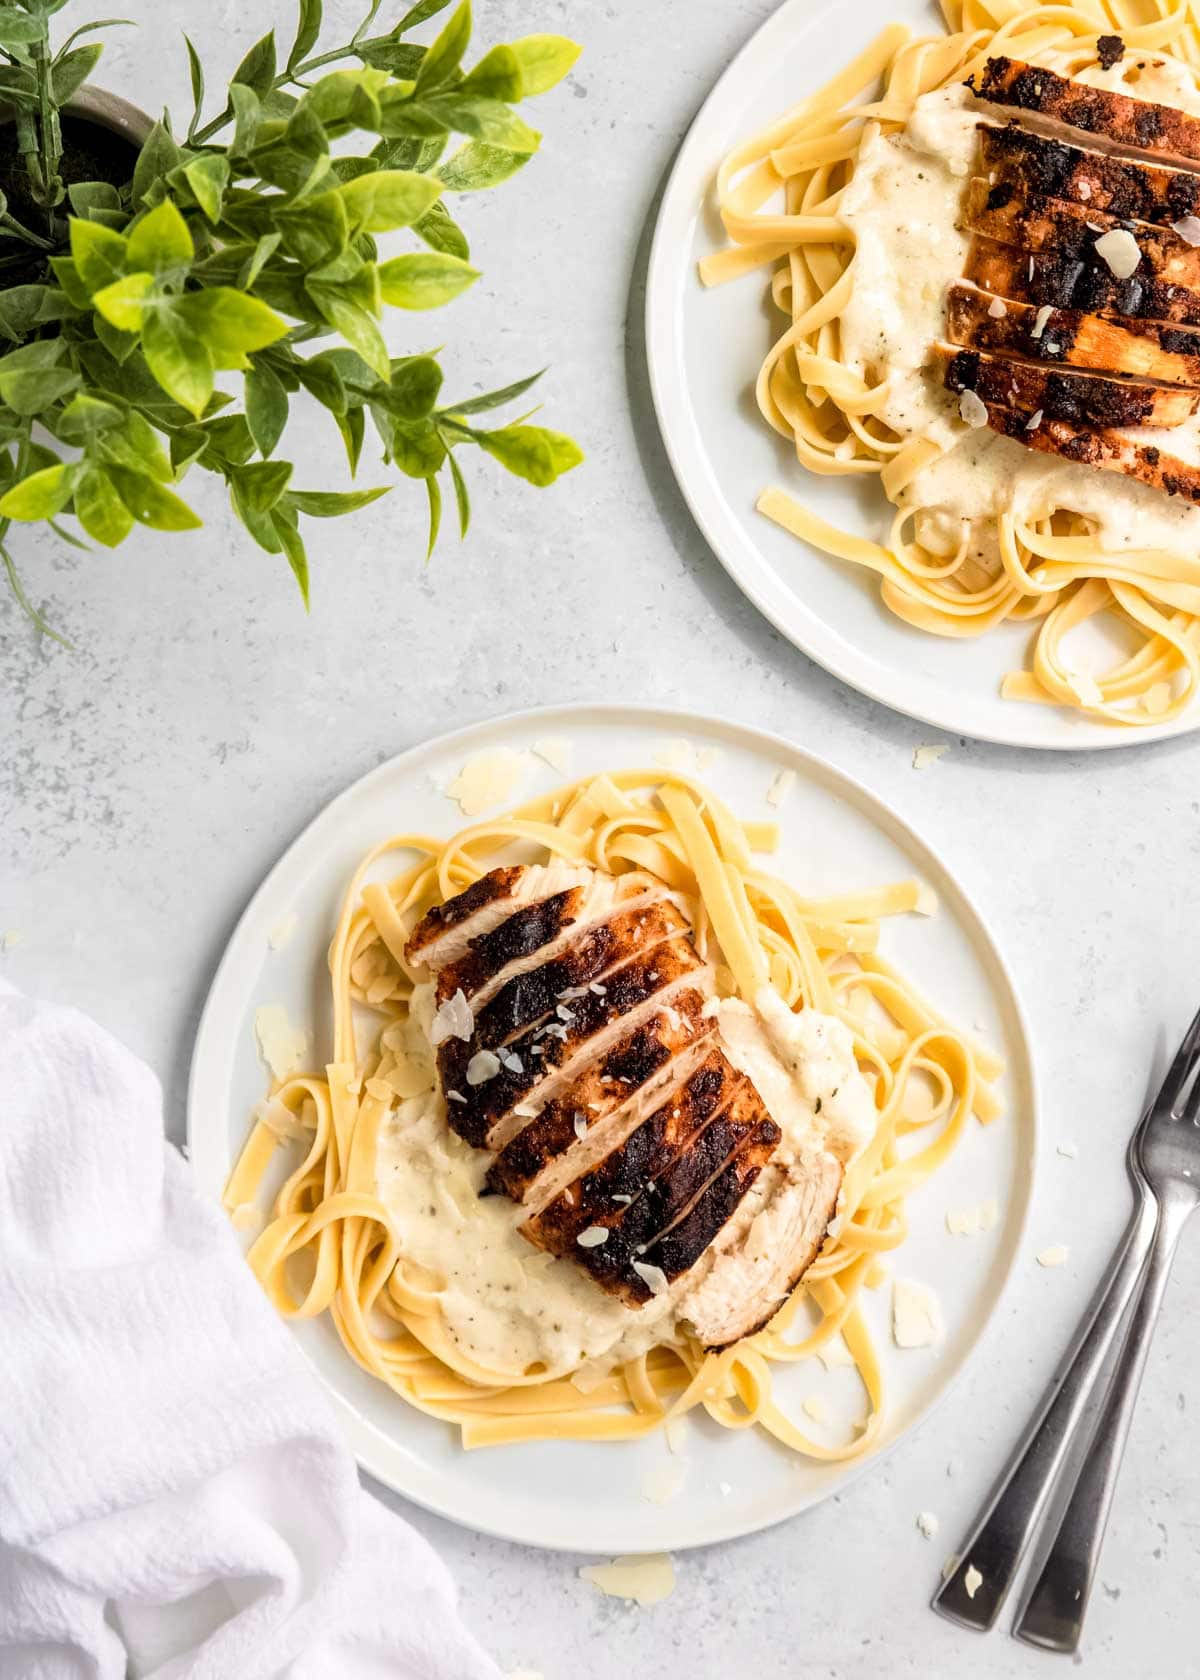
903	204
507	1305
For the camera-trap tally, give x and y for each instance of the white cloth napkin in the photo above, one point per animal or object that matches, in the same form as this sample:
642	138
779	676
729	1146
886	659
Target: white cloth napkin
175	1500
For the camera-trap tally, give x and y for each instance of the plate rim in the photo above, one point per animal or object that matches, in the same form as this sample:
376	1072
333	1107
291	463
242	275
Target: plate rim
677	212
358	1432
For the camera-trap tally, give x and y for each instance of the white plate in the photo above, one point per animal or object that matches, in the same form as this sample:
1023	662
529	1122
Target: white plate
836	836
704	350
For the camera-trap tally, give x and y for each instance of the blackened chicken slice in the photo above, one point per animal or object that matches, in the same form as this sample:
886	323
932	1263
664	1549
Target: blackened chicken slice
1144	350
1032	167
1110	117
1076	283
1108	451
750	1278
605	1101
536	932
558	1040
1004	212
1081	399
602	1196
445	933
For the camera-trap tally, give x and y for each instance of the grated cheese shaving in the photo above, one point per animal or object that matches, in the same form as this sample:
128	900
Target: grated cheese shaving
1035	420
675	1433
675	755
664	1482
282	1046
581	1127
972	1581
1068	1150
816	1408
653	1277
281	934
928	1524
835	1355
1188	230
924	758
927	901
487	780
997	309
640	1580
916	1315
1055	1256
779	789
1121	251
1157	700
594	1237
554	750
246	1217
482	1067
973	409
12	938
453	1020
1043	318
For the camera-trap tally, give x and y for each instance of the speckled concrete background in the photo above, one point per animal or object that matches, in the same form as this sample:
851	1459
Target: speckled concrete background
149	779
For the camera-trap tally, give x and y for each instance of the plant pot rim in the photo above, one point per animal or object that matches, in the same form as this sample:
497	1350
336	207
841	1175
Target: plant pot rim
106	110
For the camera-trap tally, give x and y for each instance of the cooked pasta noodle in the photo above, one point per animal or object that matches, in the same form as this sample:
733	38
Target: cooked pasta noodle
331	1244
781	196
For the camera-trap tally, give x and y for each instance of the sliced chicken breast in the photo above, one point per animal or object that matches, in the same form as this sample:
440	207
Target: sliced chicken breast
755	1270
1076	283
1082	399
1005	212
1111	117
1032	167
1147	350
1109	451
446	932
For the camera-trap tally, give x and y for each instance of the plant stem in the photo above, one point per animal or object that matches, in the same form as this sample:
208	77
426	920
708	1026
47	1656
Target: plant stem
23	601
293	76
52	147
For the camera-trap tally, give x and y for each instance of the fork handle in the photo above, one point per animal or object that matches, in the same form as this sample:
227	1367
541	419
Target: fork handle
997	1544
1053	1612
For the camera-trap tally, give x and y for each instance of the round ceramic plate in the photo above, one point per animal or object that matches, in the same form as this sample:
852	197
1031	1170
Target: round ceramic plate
705	348
835	837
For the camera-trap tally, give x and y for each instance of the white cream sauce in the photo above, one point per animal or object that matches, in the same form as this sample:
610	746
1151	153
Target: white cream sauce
510	1307
903	205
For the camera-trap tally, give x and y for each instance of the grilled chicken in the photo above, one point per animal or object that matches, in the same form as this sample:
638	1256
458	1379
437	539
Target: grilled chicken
1032	167
1111	117
1077	283
596	1073
1144	350
1069	231
1107	450
1081	399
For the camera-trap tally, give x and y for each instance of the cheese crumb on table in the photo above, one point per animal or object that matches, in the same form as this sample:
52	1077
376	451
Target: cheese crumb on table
1055	1256
928	1524
639	1580
487	780
13	937
925	757
916	1315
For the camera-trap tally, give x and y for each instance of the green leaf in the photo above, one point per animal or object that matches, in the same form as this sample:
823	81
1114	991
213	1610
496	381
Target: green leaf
390	198
43	353
496	76
86	196
478	165
150	502
417	450
231	324
531	452
120	345
308	30
317	231
438	229
230	438
402	59
98	253
177	357
292	545
196	72
158	156
544	60
445	55
266	407
68	277
100	510
40	496
321	379
123	303
22	308
32	391
86	417
18	29
253	267
434	491
136	445
208	177
462	499
341	307
248	115
160	241
258	487
257	69
424	279
484	119
420	13
331	504
71	70
494	399
353	427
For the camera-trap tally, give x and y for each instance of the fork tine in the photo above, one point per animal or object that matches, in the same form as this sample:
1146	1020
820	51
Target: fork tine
1175	1083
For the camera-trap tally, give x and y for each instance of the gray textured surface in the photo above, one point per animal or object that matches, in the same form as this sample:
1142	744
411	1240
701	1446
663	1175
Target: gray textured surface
149	779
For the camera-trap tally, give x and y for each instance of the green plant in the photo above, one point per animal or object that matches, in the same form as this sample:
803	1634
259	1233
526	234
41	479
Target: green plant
232	249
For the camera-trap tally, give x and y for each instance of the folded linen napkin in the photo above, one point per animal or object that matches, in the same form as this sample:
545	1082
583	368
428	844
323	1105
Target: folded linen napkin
175	1501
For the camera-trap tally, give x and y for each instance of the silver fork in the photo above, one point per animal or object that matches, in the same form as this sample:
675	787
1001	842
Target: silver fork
974	1593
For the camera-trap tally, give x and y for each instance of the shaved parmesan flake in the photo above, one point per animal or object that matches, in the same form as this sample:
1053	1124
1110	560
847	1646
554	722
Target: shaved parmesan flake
675	755
675	1432
835	1355
594	1237
816	1408
927	901
1085	688
453	1020
246	1217
282	1046
916	1315
581	1127
554	750
1069	1150
928	1524
527	1111
973	409
706	758
1157	700
482	1067
623	1201
641	1580
779	789
724	1489
455	1096
653	1277
989	1213
1043	318
963	1223
13	937
510	1060
972	1580
277	1117
1035	420
1188	230
488	779
997	309
924	758
1121	251
1056	1256
662	1483
281	934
